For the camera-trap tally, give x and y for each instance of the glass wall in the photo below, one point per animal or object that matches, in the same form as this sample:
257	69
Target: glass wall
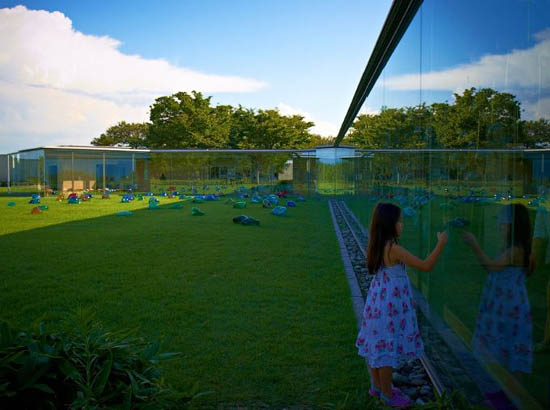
68	170
456	132
200	171
26	171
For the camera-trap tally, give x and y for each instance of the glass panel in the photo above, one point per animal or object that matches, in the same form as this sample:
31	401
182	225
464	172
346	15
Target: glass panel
473	90
120	171
26	172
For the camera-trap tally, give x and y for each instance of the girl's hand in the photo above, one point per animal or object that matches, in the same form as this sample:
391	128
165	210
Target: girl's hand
442	237
469	238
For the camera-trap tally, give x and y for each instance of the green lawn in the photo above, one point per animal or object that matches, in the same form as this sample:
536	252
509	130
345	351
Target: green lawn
261	314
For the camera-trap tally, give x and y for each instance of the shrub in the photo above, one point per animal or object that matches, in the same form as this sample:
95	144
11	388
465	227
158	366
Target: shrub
82	367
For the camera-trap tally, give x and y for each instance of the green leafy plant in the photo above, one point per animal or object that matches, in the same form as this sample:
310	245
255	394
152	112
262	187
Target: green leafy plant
83	367
450	401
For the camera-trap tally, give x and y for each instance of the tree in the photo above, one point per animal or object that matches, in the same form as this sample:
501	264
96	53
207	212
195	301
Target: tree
124	134
243	126
188	121
271	130
391	128
317	140
537	133
482	118
184	121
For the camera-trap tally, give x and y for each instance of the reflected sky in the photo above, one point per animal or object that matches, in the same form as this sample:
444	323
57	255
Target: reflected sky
453	46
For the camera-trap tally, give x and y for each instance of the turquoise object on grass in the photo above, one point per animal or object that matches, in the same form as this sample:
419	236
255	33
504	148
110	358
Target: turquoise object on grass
279	210
408	211
196	212
11	203
124	213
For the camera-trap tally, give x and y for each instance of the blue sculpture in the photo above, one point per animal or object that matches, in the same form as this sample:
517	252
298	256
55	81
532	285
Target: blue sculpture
124	213
279	210
291	204
408	211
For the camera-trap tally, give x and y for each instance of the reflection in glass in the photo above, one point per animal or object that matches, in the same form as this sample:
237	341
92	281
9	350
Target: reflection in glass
504	327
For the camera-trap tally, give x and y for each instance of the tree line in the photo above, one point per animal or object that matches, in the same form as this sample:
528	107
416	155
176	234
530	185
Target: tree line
185	121
477	118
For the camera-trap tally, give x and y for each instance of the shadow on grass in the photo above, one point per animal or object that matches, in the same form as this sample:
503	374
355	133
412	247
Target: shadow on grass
259	314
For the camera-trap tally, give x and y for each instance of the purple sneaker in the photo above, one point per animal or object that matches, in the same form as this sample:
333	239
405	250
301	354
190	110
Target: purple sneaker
375	392
398	401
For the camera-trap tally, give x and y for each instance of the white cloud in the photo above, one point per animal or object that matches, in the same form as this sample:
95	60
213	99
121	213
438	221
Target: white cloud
323	128
57	80
365	109
517	70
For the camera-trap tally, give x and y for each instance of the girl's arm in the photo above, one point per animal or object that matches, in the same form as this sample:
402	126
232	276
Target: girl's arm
492	265
424	265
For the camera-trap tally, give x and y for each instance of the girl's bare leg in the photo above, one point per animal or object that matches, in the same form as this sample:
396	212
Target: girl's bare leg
384	374
374	377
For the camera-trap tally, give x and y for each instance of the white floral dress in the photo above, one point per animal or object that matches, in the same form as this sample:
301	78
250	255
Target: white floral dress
504	328
389	329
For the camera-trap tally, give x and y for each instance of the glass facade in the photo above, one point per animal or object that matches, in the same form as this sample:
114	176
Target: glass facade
26	171
60	169
456	131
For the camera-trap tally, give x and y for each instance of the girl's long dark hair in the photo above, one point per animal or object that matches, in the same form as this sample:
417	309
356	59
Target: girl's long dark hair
519	233
382	229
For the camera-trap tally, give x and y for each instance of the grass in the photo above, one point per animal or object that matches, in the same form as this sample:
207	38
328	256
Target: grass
455	284
262	315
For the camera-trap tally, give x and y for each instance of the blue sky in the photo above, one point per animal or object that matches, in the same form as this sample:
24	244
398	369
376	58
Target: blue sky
301	56
71	69
504	45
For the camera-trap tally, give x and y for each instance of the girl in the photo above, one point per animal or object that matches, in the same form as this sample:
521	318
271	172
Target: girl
504	330
389	331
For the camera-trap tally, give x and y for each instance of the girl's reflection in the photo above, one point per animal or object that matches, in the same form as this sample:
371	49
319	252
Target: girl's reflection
504	327
541	258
